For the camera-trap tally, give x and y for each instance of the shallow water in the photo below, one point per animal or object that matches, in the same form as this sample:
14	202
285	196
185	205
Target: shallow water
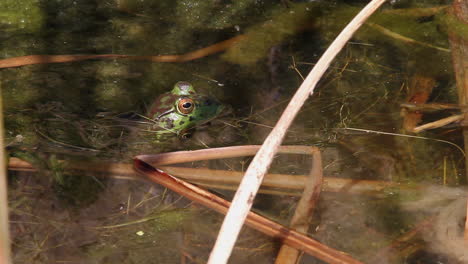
56	112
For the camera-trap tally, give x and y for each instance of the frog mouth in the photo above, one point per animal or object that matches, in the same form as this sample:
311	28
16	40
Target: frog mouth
164	114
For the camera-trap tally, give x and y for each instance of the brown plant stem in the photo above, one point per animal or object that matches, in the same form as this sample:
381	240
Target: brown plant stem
256	221
439	123
304	210
459	47
45	59
220	178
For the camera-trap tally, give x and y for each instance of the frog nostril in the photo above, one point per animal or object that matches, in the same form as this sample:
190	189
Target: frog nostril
184	86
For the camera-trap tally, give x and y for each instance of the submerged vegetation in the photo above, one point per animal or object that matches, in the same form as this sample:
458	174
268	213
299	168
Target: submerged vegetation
85	111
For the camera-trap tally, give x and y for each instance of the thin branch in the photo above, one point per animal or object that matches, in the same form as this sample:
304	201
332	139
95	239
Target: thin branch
45	59
439	123
304	210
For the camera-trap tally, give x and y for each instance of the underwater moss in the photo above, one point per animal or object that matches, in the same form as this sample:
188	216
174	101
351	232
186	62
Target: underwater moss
363	88
19	88
453	24
75	190
199	14
150	239
17	97
23	16
260	38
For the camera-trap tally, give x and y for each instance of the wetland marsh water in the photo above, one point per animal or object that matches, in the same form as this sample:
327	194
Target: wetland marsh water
61	111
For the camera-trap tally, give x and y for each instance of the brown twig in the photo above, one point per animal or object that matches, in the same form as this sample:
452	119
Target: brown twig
222	179
431	107
439	123
45	59
218	153
304	210
256	221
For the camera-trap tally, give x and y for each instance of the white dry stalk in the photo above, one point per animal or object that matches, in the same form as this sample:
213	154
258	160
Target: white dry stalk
253	177
4	223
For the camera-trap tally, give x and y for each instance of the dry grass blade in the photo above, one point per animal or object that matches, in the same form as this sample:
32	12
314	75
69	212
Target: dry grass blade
400	37
45	59
304	210
256	221
221	179
250	184
218	153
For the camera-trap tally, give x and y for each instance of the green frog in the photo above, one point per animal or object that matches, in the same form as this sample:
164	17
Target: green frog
182	109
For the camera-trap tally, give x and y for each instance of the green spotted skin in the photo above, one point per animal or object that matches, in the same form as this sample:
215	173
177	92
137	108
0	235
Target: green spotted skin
182	109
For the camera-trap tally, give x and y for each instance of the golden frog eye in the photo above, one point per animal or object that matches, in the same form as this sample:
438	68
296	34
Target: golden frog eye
185	106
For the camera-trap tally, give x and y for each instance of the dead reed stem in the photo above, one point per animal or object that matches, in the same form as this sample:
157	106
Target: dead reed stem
46	59
250	184
227	179
304	210
4	224
262	224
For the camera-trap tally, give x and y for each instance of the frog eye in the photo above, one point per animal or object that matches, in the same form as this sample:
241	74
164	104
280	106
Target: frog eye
185	106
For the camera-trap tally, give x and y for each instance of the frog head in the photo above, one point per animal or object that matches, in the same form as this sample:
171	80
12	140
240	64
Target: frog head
182	109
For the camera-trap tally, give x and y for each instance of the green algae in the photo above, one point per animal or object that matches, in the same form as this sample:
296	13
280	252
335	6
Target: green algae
363	88
199	14
21	16
146	238
453	25
260	38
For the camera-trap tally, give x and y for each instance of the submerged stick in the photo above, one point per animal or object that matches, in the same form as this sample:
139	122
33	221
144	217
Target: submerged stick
264	225
250	184
439	123
405	39
45	59
221	179
304	210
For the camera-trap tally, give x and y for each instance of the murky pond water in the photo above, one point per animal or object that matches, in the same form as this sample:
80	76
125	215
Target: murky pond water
389	195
